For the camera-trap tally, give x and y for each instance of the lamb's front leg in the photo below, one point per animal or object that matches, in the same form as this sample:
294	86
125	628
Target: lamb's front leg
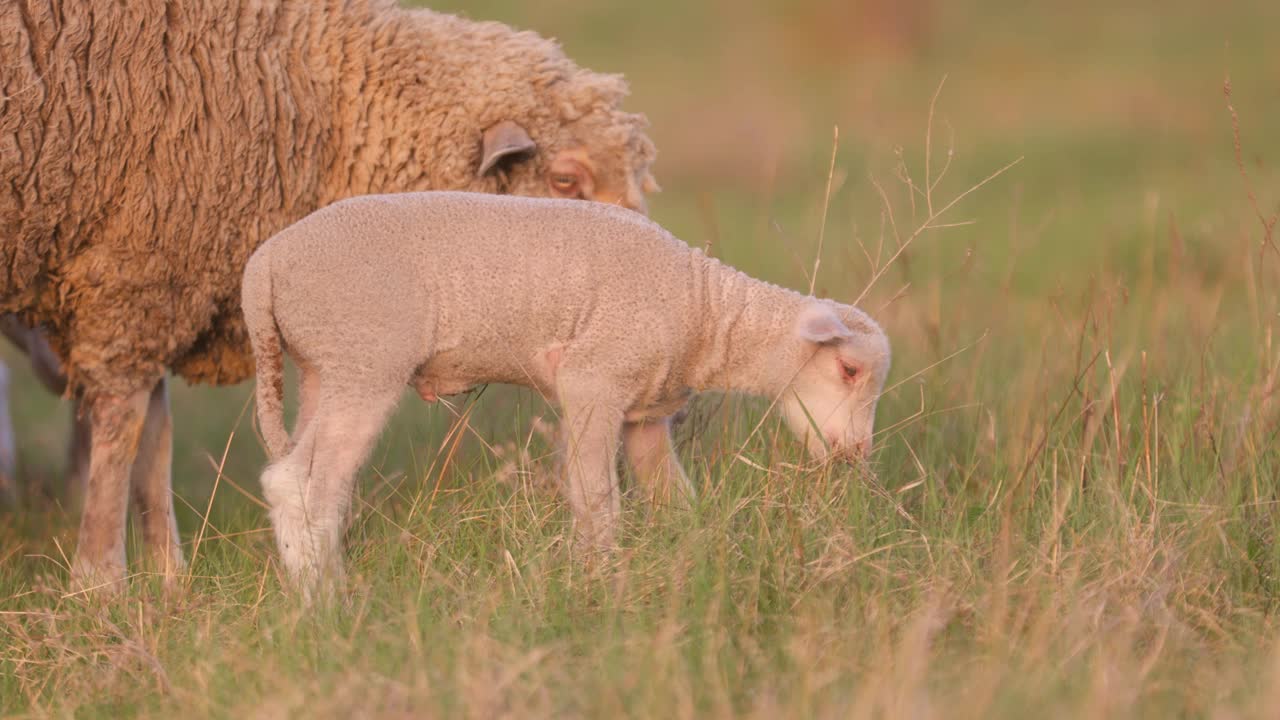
592	428
651	453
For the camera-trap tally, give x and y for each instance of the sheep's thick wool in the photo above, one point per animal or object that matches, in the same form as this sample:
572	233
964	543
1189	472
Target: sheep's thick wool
147	148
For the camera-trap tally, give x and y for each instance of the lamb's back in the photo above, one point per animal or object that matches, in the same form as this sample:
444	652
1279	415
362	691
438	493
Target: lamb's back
479	270
555	261
619	293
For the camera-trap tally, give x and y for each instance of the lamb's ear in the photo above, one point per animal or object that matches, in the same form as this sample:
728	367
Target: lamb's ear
505	138
820	324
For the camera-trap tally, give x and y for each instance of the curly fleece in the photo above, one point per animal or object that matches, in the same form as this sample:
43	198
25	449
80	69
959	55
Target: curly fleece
147	148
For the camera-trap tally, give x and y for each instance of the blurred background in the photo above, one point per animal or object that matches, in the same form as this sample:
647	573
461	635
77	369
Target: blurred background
1127	212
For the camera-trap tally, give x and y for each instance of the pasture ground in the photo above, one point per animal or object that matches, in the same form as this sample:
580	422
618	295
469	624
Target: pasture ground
1073	505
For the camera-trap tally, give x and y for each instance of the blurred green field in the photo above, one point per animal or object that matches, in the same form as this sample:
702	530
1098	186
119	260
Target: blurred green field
1073	509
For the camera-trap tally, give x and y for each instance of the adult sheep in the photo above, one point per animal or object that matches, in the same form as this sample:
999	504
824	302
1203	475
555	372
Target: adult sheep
147	148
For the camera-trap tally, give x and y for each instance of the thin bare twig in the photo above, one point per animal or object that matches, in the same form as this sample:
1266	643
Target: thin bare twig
929	183
1268	223
928	224
826	204
204	524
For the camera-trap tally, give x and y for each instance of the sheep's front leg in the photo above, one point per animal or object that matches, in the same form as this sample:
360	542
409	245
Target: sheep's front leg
152	491
48	369
44	363
592	428
77	472
8	447
653	461
99	562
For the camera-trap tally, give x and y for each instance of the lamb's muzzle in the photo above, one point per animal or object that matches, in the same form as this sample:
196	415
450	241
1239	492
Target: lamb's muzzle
596	307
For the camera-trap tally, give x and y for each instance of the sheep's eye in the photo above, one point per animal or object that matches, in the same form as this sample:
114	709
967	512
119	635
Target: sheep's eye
564	183
850	371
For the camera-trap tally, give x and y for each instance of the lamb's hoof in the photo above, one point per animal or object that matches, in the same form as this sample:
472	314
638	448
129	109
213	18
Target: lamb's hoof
318	588
329	596
594	552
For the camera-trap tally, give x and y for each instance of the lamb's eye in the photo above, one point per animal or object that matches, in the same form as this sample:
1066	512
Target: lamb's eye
850	371
564	183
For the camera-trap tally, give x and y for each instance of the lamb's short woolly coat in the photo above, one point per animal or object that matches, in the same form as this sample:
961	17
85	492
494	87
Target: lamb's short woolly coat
147	147
597	307
455	289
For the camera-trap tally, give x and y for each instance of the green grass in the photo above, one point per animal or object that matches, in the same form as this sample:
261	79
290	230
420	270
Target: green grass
1072	510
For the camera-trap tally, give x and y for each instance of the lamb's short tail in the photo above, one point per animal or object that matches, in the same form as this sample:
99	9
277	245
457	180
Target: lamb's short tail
268	353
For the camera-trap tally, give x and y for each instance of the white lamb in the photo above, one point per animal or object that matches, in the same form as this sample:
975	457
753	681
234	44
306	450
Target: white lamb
594	306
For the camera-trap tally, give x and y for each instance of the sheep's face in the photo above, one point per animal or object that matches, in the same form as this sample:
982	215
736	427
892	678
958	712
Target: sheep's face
575	174
831	403
602	156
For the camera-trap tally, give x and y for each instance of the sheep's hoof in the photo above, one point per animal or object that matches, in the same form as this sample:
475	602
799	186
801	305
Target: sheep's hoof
169	565
99	581
165	557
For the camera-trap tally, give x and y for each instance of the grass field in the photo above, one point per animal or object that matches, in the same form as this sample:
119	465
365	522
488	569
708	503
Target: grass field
1073	504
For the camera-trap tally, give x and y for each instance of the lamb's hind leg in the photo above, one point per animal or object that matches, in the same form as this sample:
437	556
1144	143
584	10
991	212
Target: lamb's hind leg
284	483
308	397
310	489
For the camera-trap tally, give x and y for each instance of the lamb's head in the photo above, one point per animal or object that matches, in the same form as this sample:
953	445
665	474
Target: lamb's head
831	402
595	151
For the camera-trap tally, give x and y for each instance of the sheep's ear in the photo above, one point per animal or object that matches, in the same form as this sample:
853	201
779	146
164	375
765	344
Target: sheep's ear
820	324
505	138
